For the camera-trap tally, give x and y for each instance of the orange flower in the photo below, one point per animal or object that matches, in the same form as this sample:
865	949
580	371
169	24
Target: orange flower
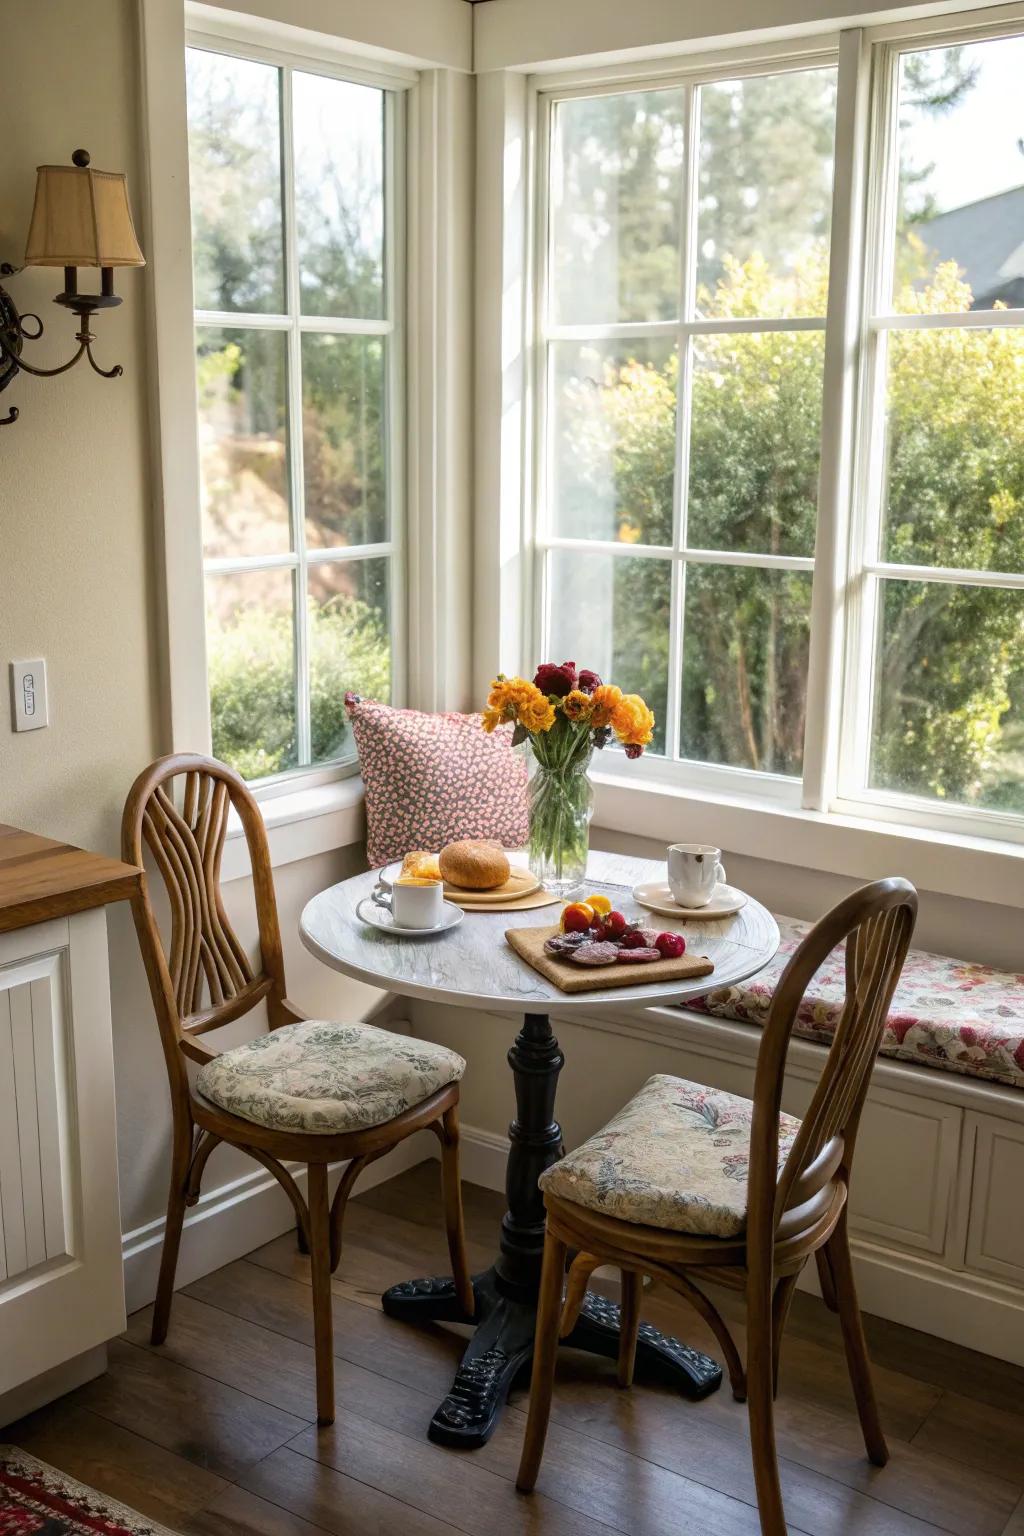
578	705
605	700
632	721
537	714
513	698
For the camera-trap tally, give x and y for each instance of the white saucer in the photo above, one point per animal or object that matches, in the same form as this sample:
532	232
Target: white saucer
374	916
656	896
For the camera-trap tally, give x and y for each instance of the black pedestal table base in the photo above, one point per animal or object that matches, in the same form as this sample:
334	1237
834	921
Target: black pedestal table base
501	1348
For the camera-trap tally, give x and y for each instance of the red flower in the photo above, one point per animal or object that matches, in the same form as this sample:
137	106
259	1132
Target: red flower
588	681
634	750
556	680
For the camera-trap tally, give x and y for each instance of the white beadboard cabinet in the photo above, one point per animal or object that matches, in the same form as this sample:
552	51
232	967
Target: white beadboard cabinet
61	1283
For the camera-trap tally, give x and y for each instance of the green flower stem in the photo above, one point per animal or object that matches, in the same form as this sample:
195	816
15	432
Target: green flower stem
561	799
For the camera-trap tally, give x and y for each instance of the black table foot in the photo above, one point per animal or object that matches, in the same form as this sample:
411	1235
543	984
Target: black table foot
501	1350
659	1356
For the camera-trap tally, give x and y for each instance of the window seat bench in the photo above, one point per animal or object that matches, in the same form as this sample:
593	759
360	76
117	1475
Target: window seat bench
946	1013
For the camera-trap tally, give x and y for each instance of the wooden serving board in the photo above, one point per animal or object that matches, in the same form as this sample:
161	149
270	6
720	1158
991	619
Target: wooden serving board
570	977
527	903
521	882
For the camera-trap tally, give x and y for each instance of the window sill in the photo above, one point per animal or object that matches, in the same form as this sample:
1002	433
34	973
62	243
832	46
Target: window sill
300	825
981	869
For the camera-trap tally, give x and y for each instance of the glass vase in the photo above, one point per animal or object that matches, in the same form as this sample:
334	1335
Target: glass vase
561	803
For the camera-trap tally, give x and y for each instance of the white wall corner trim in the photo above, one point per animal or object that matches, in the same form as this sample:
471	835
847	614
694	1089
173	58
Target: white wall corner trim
167	240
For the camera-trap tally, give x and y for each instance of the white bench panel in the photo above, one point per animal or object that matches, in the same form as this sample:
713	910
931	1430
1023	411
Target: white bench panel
995	1231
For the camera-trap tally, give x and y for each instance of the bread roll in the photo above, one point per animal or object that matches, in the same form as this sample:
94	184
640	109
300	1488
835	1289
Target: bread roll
474	864
420	866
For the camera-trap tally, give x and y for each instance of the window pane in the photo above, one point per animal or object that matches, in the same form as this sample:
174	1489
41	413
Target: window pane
949	694
614	440
339	195
755	442
954	474
343	440
765	194
616	198
611	613
961	178
349	647
250	654
745	667
243	455
234	141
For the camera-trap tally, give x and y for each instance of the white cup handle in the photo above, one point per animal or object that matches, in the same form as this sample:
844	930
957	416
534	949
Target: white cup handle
382	893
720	873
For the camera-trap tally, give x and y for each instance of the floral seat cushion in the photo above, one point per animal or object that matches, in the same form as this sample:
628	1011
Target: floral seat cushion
675	1157
327	1078
945	1013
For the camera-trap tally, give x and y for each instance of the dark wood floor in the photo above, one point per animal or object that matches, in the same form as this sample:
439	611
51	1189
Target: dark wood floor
214	1434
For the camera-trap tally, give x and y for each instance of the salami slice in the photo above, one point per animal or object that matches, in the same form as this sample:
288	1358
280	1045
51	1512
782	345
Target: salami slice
596	953
637	956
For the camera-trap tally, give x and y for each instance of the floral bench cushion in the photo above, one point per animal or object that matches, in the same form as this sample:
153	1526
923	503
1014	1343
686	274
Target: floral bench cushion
675	1157
945	1013
327	1078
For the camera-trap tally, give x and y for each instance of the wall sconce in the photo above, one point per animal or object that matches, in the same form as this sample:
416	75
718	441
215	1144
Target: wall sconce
81	218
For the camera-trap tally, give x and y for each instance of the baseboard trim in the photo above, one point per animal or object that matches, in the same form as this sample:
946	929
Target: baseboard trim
231	1220
52	1384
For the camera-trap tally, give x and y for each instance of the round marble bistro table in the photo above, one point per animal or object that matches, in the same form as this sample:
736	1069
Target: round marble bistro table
473	966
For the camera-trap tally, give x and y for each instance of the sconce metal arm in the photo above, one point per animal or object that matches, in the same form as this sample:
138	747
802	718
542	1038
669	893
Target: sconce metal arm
14	332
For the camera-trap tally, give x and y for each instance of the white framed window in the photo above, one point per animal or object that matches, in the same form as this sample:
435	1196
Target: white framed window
934	690
686	304
296	182
683	296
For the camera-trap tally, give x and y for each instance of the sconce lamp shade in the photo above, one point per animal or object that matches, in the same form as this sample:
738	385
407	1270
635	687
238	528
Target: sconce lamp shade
81	218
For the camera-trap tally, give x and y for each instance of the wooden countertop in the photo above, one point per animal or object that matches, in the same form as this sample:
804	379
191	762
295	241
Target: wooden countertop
41	879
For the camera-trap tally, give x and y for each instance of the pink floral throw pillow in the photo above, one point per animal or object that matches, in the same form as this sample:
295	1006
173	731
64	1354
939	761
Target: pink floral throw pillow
432	778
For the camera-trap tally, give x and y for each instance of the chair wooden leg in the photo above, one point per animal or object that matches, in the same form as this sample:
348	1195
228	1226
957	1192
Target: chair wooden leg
300	1239
451	1188
629	1324
177	1199
848	1307
545	1350
761	1408
580	1271
825	1280
781	1303
320	1262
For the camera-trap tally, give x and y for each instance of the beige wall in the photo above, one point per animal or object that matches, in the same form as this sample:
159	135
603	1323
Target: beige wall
77	567
76	570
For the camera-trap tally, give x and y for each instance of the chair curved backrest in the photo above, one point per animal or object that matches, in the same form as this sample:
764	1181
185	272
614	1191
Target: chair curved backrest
203	978
876	923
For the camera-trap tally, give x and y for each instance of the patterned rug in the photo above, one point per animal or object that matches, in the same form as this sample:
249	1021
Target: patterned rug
37	1500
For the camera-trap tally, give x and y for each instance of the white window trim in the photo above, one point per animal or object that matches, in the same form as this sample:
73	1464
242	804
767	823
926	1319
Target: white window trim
978	849
437	387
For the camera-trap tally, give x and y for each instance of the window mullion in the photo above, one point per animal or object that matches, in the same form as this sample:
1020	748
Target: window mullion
843	333
684	394
297	476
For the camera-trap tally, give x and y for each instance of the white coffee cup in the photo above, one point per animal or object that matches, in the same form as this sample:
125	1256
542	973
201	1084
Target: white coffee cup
694	870
413	902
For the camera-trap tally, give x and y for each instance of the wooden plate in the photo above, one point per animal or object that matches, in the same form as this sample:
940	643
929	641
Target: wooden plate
521	882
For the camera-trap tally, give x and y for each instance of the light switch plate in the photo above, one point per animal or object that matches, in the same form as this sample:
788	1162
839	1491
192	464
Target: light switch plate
28	695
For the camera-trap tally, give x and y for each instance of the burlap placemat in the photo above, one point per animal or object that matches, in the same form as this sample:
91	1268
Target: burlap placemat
567	976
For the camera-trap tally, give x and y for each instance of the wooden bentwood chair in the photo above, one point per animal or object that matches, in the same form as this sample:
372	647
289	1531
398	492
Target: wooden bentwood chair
321	1094
794	1203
